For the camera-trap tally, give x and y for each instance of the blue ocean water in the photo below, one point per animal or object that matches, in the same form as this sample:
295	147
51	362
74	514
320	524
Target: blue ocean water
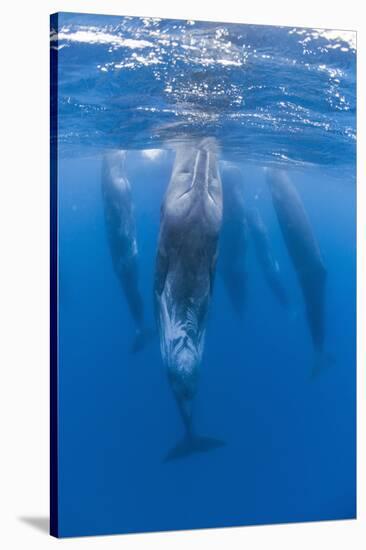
271	96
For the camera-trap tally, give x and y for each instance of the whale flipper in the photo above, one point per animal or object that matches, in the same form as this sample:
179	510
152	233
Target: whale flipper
193	444
141	339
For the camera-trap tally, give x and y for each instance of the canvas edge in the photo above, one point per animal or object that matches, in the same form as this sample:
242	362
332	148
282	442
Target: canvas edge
54	489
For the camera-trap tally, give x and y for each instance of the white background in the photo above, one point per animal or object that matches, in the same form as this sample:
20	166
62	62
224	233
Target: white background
24	276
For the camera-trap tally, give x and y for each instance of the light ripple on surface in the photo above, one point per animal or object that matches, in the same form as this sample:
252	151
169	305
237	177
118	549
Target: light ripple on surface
264	92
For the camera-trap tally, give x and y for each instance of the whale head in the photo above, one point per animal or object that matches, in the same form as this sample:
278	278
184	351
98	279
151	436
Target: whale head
195	181
274	175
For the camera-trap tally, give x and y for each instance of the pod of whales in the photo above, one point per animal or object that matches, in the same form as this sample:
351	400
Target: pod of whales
187	250
240	223
205	215
121	233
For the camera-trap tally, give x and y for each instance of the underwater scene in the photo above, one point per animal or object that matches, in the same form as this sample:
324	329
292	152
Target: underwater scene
206	273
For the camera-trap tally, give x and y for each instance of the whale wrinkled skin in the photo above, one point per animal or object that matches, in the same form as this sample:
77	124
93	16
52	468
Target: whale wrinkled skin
187	251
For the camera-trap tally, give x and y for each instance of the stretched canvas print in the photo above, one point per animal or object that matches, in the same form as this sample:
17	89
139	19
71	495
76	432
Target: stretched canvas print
203	274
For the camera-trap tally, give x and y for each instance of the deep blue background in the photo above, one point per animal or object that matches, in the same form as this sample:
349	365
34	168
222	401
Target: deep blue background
290	440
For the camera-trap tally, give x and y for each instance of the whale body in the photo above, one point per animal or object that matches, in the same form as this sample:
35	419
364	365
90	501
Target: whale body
121	233
187	251
303	250
234	237
241	224
266	259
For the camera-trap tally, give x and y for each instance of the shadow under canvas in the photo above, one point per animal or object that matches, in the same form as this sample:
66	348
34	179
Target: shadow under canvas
38	522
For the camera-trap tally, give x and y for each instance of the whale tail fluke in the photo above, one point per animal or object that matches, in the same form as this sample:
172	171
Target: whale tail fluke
193	444
142	338
322	362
